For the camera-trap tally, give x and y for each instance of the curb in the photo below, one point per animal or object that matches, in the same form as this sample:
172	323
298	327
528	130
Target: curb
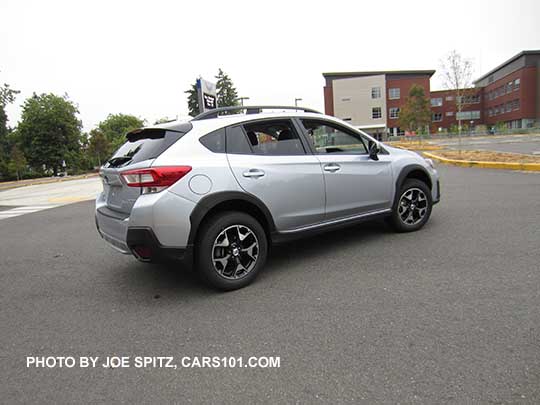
16	184
535	167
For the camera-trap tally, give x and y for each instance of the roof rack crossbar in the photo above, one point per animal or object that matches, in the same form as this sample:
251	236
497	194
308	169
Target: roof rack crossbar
250	109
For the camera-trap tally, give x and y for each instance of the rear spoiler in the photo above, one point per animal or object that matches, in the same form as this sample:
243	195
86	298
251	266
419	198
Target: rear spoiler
158	132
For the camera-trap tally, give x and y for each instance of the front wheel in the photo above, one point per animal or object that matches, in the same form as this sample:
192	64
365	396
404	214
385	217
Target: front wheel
232	249
413	206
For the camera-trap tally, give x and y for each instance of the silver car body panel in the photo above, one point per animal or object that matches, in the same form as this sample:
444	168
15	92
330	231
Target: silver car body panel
292	187
356	184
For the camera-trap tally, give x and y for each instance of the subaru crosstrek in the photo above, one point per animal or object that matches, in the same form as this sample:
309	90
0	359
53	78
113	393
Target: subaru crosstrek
218	190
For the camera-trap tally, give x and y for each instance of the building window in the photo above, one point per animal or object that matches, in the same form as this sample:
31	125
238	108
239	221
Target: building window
473	99
515	104
449	98
517	83
490	113
436	117
509	87
394	113
375	92
436	102
394	93
496	110
449	113
468	115
376	113
508	107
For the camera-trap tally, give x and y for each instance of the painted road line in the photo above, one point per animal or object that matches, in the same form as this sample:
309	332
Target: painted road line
15	212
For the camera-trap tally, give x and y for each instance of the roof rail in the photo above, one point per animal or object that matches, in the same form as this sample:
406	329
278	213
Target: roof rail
250	109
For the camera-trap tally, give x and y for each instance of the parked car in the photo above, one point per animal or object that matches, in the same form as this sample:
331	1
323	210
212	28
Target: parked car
217	191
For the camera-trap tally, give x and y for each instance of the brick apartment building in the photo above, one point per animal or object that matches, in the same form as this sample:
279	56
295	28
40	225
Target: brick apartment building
508	94
372	100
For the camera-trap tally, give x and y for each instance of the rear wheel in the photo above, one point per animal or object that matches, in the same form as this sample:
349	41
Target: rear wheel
231	250
412	207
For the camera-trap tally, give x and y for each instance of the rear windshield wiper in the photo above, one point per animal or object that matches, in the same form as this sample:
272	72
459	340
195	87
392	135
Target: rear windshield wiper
116	161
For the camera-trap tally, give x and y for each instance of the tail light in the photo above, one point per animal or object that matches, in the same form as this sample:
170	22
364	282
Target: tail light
155	179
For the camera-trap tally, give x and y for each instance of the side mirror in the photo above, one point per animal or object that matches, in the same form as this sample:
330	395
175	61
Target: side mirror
373	150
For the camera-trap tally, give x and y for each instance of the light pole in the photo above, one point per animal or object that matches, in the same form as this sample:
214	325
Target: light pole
242	100
296	100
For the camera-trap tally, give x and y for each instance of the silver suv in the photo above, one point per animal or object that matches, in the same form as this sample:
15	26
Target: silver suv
217	191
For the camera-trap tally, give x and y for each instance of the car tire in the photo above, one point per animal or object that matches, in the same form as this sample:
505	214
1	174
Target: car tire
231	250
412	206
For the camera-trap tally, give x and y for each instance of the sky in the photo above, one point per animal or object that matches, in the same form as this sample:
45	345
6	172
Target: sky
138	57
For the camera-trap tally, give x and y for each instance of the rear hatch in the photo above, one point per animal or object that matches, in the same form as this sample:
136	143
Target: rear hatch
142	147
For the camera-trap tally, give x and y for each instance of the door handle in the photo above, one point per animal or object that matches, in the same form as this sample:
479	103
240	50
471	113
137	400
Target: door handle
255	173
331	167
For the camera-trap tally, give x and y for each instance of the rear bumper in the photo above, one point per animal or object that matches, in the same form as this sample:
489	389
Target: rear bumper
113	228
141	242
144	245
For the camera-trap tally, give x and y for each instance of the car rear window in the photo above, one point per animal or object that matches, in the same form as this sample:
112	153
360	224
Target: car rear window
144	144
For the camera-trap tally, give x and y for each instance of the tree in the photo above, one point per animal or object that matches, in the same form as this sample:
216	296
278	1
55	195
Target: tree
116	126
227	96
49	130
17	163
193	100
416	113
457	76
7	96
99	147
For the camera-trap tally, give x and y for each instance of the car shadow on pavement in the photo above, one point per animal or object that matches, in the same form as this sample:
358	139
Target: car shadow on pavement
156	280
324	245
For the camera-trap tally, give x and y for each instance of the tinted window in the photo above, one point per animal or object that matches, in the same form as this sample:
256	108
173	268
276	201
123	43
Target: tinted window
274	137
328	137
215	141
237	142
143	144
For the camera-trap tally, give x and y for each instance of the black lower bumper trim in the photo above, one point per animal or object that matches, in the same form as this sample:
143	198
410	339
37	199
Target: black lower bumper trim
438	198
145	237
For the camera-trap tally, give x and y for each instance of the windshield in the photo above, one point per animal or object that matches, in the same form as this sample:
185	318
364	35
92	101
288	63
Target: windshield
142	145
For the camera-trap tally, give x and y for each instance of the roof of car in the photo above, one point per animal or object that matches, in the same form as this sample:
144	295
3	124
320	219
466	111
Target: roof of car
224	120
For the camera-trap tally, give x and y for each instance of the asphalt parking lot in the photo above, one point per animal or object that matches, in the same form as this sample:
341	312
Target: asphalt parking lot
450	314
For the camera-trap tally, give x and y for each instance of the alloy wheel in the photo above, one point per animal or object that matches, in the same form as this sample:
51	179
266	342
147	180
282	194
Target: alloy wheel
413	206
235	252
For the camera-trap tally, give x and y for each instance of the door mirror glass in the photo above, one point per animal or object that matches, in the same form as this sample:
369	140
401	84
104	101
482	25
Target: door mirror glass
373	150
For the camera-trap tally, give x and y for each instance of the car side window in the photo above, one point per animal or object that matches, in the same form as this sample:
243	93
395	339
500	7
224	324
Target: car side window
274	137
214	141
328	137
